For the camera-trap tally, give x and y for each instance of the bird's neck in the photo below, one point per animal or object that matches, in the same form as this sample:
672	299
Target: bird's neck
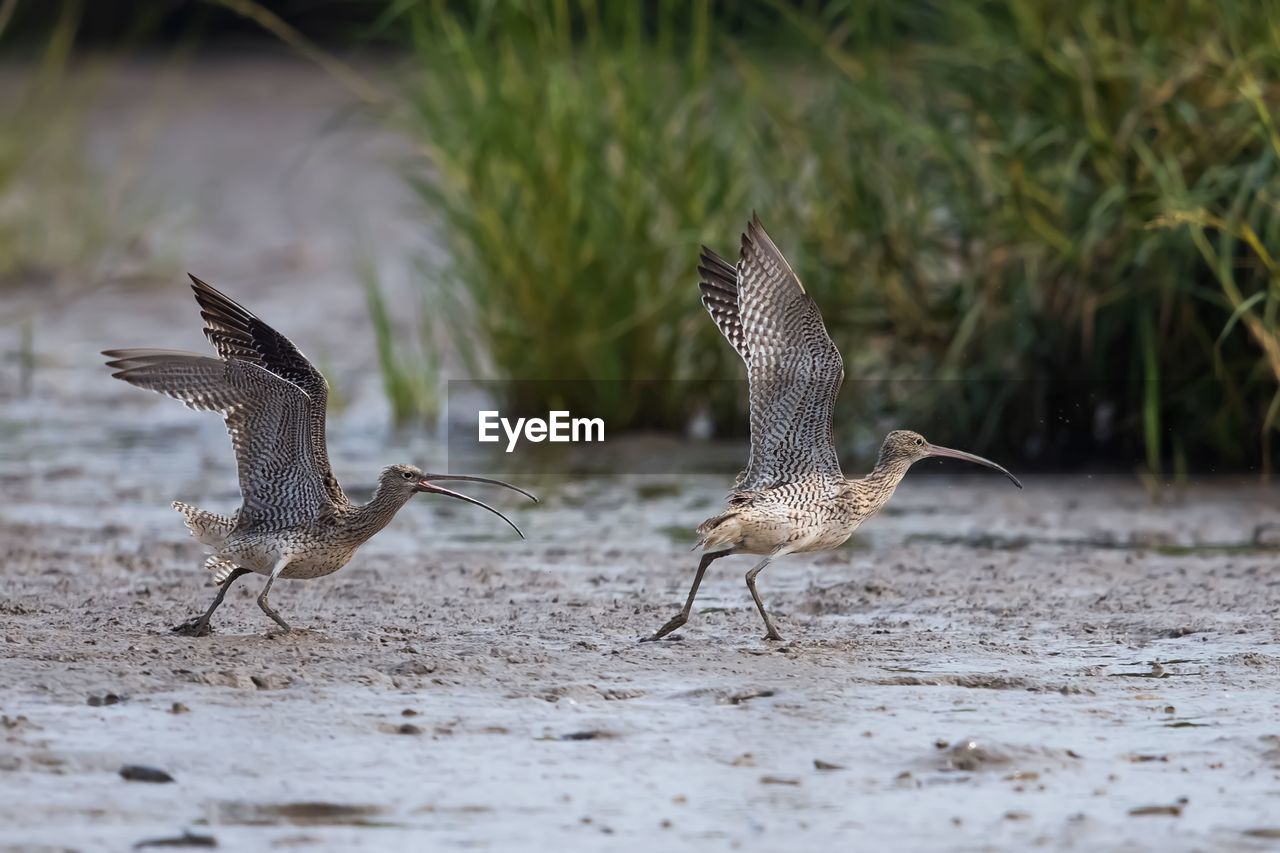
875	489
369	518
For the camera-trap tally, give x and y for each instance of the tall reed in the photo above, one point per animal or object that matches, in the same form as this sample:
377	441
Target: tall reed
575	155
1041	229
1067	206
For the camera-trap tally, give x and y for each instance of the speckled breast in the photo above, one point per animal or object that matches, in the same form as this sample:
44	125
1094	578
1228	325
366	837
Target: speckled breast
309	556
798	518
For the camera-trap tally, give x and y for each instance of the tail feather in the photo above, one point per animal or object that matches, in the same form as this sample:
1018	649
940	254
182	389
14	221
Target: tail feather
208	528
718	533
221	568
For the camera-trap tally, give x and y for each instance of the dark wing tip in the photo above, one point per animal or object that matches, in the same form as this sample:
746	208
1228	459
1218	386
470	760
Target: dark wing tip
215	304
711	281
751	241
126	359
203	289
710	258
717	273
756	233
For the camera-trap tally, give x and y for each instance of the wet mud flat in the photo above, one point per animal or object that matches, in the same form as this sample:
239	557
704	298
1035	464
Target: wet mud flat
1068	666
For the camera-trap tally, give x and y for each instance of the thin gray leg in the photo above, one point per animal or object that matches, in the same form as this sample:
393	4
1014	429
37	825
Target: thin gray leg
200	627
771	632
683	616
266	605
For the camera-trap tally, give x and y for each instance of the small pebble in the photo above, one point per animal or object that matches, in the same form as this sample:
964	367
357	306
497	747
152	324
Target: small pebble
591	734
1148	811
186	839
778	780
142	773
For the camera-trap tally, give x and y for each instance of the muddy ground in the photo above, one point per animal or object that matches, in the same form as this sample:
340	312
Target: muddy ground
1072	666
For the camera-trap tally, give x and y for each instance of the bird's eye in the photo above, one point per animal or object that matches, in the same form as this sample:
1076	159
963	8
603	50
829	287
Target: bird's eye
407	475
920	441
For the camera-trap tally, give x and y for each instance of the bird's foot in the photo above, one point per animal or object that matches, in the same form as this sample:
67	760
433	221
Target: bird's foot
676	622
773	635
657	637
196	626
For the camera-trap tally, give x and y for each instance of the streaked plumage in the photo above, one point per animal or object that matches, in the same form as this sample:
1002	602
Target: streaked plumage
792	497
294	521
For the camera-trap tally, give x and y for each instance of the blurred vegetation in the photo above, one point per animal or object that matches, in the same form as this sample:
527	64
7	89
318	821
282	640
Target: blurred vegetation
1035	229
411	378
1058	193
575	160
1039	230
59	216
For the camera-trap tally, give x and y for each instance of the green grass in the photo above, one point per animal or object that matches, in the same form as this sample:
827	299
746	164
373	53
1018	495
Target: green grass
574	161
1059	217
410	375
1009	196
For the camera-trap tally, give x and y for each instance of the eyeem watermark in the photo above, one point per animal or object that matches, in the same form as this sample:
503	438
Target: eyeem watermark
558	428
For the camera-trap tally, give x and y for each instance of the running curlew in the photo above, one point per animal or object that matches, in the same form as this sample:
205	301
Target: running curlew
792	497
295	521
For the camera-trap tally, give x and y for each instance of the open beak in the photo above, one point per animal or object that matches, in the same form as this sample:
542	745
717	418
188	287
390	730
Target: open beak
948	453
425	485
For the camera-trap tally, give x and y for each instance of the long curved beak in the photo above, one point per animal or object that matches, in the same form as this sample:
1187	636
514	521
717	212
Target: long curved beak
948	453
530	495
425	485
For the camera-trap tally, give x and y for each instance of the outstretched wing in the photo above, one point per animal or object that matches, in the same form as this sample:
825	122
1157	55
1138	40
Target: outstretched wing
793	366
237	334
719	287
268	419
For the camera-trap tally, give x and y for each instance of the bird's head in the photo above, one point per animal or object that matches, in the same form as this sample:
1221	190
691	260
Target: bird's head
408	480
904	447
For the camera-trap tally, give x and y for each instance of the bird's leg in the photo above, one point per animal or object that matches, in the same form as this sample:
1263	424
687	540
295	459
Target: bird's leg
771	633
199	627
262	596
683	616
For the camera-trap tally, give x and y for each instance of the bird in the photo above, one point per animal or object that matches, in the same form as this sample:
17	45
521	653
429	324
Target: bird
295	521
792	497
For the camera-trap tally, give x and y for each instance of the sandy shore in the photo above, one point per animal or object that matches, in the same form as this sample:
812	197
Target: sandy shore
494	695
